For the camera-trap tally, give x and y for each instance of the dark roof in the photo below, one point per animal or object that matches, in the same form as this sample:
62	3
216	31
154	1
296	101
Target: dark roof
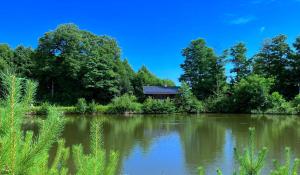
152	90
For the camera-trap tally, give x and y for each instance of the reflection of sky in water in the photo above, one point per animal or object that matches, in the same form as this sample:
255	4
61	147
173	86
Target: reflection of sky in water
164	157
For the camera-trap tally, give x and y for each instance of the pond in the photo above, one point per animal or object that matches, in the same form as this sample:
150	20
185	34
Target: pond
178	144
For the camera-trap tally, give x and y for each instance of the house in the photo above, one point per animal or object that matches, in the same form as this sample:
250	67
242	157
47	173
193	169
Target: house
160	92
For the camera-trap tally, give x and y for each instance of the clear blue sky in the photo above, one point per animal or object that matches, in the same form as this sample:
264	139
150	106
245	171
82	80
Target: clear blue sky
153	32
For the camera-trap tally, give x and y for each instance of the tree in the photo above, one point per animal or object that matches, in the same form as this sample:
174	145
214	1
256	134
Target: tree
186	101
73	63
251	93
23	152
98	161
273	62
203	70
126	76
6	54
241	65
22	61
295	65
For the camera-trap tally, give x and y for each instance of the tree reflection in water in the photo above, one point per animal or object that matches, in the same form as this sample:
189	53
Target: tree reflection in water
206	140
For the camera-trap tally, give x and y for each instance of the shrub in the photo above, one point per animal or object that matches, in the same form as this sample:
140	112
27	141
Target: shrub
186	102
276	99
44	108
124	104
102	108
158	106
296	100
92	107
279	105
251	93
81	106
218	103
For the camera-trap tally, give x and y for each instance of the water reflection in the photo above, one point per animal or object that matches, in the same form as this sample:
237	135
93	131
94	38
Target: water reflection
176	144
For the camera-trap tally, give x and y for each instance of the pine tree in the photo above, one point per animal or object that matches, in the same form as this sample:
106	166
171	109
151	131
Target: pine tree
95	162
23	153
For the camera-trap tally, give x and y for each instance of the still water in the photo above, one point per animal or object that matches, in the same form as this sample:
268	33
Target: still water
177	144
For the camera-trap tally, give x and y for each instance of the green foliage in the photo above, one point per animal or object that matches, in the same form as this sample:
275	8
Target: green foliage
241	65
249	162
296	100
295	65
6	54
22	61
22	153
73	63
44	108
158	106
126	77
273	61
96	162
279	105
81	106
276	99
219	103
286	168
92	107
102	108
252	93
186	101
203	70
124	104
201	171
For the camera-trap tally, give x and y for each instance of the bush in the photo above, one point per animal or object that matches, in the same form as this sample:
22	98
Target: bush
186	102
124	104
218	103
278	105
296	101
81	106
92	107
158	106
44	108
251	93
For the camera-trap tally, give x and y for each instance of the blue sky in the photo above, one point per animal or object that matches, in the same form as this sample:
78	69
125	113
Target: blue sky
153	32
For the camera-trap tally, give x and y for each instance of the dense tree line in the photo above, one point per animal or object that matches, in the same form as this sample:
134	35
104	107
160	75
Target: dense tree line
272	73
70	63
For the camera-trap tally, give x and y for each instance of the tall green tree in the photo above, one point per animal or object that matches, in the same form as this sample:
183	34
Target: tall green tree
273	61
6	54
295	64
73	63
126	76
22	61
203	69
241	65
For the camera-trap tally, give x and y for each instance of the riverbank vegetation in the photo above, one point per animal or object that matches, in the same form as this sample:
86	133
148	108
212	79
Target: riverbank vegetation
71	64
